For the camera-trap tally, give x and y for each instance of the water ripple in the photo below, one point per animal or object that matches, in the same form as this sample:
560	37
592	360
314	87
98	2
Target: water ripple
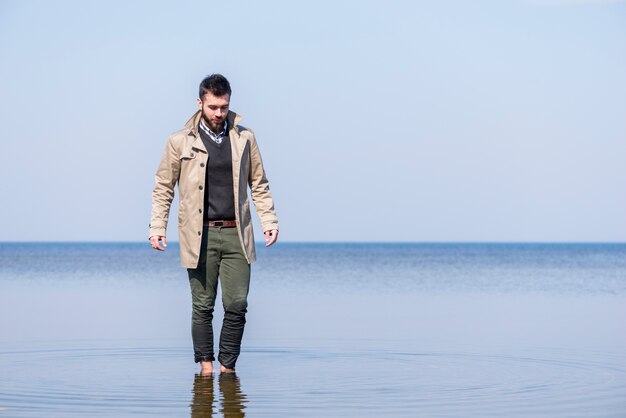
297	382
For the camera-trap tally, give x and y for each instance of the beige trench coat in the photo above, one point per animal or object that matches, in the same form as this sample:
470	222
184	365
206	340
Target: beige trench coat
184	162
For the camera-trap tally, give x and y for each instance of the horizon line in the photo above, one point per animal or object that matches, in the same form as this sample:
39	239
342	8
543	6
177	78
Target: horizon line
261	243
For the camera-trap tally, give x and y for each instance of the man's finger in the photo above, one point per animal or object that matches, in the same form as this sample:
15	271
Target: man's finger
155	241
271	237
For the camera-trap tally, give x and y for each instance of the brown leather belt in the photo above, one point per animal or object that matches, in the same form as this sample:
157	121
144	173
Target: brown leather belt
223	224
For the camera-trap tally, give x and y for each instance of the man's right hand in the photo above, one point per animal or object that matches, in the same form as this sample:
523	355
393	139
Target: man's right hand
156	240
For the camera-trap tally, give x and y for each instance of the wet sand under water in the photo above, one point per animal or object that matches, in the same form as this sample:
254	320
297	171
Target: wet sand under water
103	330
435	355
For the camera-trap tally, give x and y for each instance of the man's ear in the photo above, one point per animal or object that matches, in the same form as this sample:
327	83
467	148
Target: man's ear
199	103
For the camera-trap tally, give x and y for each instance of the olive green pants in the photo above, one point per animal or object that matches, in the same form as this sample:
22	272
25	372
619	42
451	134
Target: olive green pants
221	259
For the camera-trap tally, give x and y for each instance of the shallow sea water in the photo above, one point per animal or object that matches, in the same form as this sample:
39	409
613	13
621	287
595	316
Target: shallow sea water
334	330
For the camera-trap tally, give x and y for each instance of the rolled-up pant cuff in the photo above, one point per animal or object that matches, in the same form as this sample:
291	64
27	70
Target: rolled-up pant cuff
228	364
198	358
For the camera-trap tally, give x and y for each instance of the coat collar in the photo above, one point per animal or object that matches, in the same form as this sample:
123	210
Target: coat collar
191	125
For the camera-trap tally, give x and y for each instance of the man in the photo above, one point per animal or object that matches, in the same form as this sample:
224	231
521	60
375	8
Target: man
214	160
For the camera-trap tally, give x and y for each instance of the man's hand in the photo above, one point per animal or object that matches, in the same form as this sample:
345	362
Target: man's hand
156	240
270	237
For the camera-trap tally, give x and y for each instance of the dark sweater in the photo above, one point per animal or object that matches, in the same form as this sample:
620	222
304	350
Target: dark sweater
219	198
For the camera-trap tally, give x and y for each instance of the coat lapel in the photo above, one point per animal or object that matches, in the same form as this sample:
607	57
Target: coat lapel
237	144
192	125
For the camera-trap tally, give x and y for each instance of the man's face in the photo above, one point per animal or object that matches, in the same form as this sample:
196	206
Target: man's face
214	110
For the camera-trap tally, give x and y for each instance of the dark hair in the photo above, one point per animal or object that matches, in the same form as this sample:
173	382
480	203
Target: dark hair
216	84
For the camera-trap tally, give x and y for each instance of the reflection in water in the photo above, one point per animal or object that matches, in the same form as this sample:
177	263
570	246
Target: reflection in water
202	402
231	396
232	399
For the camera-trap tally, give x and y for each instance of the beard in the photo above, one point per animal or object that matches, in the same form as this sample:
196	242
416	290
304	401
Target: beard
216	126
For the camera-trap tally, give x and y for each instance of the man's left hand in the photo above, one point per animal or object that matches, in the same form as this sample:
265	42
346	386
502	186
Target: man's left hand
271	237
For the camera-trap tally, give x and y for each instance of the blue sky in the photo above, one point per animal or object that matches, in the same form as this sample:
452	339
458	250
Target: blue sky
377	121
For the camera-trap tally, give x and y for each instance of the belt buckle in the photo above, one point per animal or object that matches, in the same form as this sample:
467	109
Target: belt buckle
218	223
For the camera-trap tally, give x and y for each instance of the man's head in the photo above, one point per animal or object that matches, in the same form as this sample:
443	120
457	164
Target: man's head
216	84
213	100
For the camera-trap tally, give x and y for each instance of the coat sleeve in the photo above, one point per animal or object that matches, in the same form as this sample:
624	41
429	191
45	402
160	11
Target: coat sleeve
163	193
260	189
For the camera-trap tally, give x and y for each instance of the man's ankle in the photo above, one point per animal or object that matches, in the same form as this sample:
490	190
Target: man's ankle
206	367
225	369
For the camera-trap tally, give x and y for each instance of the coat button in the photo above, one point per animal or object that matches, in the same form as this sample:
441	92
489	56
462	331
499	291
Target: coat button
191	155
201	164
200	210
200	187
199	233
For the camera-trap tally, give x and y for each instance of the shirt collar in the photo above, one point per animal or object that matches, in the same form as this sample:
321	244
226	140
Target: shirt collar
217	138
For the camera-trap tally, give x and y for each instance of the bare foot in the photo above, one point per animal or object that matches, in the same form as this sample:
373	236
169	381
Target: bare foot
206	368
226	370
